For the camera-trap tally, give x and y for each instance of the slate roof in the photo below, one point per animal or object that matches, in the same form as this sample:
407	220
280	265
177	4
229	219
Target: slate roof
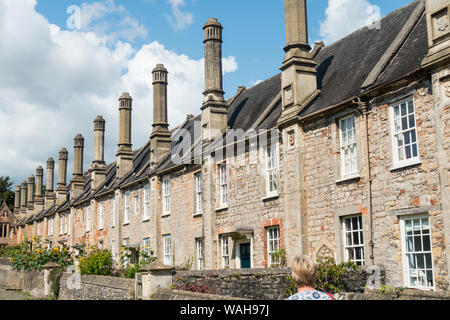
251	103
344	66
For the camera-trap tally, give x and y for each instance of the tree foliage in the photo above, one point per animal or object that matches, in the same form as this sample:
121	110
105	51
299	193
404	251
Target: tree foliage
6	194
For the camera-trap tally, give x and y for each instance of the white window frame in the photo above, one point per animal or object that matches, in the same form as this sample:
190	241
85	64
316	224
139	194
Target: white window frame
38	229
101	216
272	170
61	225
114	212
405	252
199	244
273	245
225	252
146	202
353	247
223	185
65	224
397	163
167	250
346	145
136	205
199	193
166	195
50	226
146	242
126	208
88	219
69	225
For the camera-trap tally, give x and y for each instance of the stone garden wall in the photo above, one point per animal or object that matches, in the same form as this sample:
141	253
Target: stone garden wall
95	288
255	284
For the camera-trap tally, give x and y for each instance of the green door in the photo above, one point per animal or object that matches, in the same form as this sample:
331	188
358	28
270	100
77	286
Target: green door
244	249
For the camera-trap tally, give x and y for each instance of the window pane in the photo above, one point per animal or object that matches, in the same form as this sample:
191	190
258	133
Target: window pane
410	106
425	226
409	244
412	261
405	123
403	108
420	261
408	225
397	126
429	265
417	244
416	226
412	122
408	152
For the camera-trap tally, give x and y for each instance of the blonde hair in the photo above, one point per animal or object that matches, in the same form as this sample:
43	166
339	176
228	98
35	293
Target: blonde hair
303	271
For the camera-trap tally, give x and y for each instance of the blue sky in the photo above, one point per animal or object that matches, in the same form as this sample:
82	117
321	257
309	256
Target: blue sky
55	80
254	29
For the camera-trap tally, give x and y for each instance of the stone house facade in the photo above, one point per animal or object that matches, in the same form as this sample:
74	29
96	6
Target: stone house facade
345	154
7	226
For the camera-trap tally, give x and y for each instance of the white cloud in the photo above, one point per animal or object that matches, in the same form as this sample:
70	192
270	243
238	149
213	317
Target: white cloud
55	82
179	19
105	18
345	16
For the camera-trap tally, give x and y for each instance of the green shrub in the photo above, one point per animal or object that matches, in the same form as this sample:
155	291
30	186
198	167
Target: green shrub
329	276
37	257
97	262
7	251
130	271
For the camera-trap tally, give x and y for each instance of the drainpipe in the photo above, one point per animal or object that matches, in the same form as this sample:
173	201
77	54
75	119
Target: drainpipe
364	107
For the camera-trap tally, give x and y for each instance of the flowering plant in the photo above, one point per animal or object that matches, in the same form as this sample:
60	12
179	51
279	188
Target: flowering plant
35	257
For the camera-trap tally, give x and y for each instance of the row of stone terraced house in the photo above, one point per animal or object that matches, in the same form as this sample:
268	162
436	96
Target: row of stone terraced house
345	153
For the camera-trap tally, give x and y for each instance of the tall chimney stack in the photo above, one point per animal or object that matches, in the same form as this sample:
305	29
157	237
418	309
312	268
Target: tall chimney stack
124	161
214	109
49	191
23	198
98	165
30	195
298	79
77	181
39	199
61	191
160	139
17	201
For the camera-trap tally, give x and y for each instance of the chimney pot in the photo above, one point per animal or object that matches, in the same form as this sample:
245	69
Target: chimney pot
214	109
98	165
124	159
160	139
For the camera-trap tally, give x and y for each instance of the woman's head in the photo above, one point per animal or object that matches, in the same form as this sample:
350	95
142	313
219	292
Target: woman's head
303	271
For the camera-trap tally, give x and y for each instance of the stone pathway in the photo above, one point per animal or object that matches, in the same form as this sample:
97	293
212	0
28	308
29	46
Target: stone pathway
13	295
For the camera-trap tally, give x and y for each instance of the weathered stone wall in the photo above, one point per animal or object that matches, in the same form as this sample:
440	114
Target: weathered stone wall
414	187
257	284
249	207
183	224
97	288
10	278
407	294
30	281
167	294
